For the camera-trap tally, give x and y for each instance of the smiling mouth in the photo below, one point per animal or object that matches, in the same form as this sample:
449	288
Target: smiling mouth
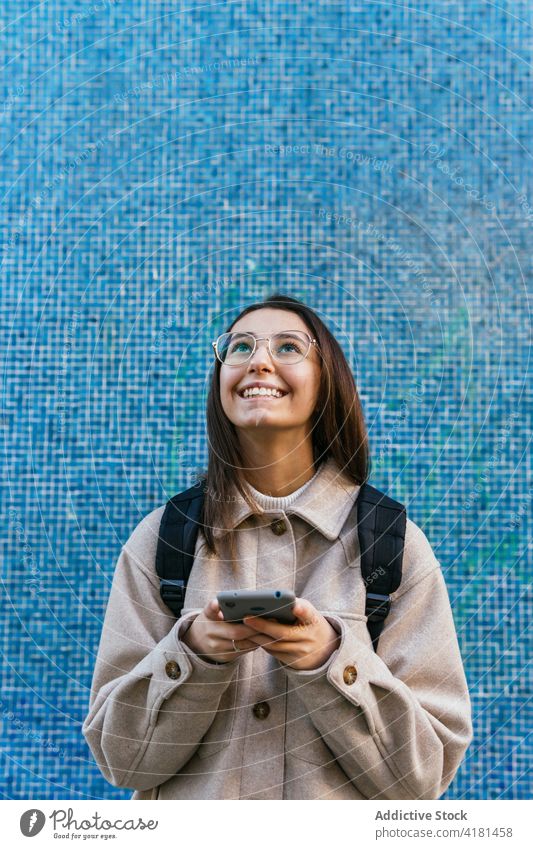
261	397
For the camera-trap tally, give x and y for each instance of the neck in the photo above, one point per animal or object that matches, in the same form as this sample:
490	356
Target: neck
277	469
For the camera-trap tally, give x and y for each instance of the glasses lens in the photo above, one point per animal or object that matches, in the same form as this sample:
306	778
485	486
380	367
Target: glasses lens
289	347
235	348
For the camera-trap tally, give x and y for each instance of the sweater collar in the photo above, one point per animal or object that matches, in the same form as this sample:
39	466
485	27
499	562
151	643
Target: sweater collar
325	504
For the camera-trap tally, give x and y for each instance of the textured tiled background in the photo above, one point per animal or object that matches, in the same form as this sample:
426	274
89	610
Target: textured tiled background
164	164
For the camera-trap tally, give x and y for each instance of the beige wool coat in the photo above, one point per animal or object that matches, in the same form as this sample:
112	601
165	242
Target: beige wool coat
388	725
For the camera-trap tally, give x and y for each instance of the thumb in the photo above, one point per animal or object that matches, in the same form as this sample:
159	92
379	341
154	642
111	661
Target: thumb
302	609
213	611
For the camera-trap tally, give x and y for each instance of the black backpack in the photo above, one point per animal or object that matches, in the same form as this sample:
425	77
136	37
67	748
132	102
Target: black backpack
381	525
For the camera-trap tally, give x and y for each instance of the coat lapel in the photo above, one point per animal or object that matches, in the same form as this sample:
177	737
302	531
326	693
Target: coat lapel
325	504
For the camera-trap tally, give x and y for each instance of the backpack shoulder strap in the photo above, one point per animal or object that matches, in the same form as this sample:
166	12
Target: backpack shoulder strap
381	524
178	532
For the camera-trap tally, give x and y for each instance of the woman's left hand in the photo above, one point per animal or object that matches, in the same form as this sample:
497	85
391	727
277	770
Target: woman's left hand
305	645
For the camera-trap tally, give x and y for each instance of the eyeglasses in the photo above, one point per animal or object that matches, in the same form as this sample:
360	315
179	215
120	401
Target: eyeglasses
289	347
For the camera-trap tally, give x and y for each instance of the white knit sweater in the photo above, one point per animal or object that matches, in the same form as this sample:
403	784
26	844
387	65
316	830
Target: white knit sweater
271	502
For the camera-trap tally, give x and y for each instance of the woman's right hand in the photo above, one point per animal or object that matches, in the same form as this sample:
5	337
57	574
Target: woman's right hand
210	636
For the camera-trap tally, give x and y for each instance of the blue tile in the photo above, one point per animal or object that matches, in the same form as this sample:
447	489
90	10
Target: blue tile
166	163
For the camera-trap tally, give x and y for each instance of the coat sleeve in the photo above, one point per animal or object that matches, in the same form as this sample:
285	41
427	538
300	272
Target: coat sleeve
152	698
400	725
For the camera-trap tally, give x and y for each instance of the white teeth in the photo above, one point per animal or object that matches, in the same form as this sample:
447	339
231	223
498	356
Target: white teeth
249	393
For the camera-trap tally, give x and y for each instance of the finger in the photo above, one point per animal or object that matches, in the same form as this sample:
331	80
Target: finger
304	610
277	649
267	626
239	632
242	645
278	630
235	630
263	640
212	610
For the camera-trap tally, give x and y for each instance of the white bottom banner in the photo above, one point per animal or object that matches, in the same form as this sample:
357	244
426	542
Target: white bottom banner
227	824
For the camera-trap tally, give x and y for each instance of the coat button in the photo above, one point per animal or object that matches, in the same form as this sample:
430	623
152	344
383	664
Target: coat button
349	674
278	527
172	669
261	710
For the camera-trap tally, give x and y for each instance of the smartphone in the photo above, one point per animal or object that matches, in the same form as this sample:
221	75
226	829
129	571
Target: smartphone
272	604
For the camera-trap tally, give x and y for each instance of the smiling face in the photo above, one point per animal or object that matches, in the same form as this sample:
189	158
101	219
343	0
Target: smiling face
298	381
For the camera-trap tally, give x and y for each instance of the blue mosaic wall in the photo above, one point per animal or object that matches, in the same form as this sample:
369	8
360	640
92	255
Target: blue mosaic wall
166	163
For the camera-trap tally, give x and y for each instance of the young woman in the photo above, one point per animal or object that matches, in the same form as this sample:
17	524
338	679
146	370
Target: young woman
200	708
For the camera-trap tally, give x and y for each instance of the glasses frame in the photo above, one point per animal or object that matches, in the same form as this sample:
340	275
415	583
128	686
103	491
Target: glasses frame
312	341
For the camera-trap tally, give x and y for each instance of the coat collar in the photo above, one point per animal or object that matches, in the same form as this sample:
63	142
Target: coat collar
325	504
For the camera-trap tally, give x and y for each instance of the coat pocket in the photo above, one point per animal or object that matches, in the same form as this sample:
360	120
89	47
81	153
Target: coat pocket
219	733
313	751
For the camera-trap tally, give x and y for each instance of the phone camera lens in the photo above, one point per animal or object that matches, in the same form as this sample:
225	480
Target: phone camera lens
230	604
278	594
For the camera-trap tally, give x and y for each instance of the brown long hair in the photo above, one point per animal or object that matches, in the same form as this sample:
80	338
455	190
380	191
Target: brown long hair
339	428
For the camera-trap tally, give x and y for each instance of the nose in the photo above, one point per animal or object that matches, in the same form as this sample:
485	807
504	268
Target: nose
261	356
